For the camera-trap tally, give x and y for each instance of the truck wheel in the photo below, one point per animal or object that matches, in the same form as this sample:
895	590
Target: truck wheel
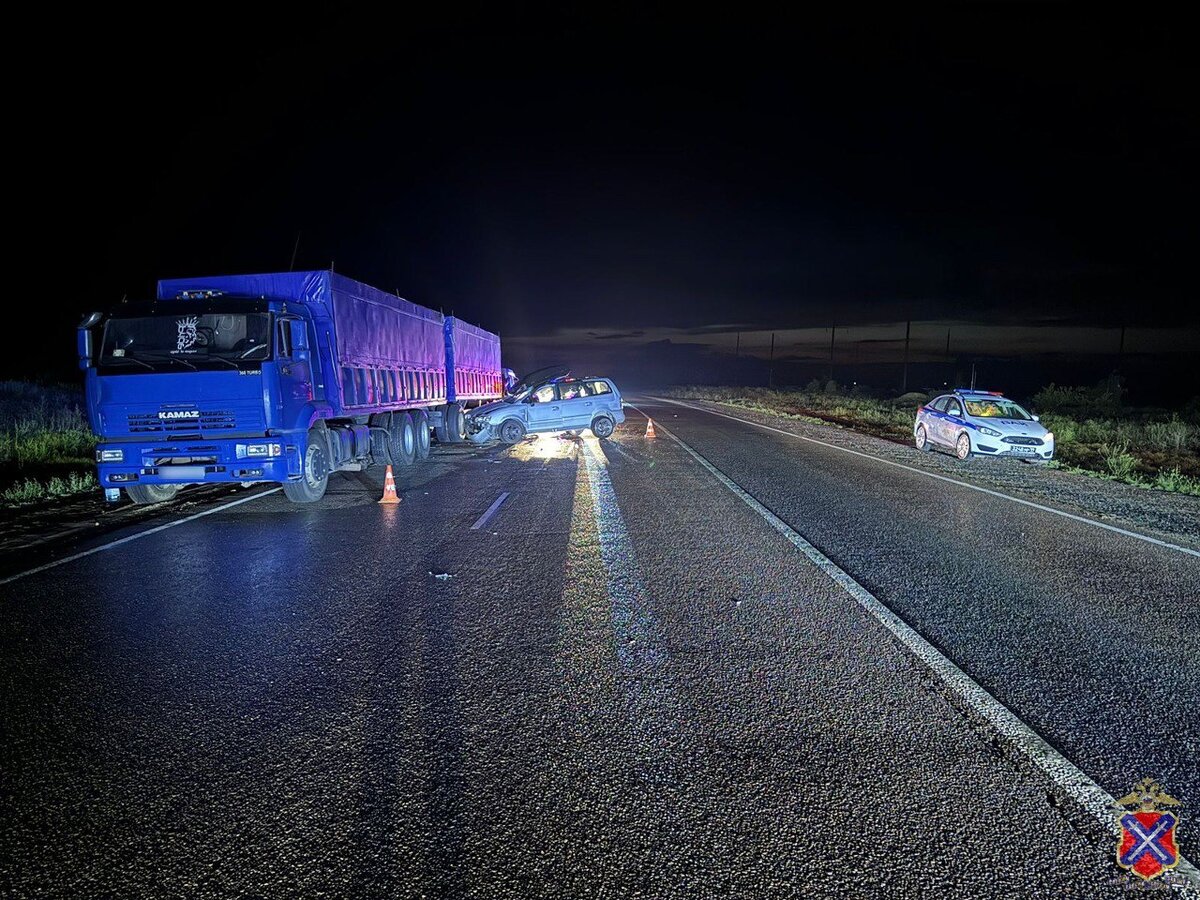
421	424
602	427
314	476
152	493
512	431
454	424
402	440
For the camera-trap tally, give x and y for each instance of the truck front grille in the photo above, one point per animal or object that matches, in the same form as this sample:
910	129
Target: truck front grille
208	420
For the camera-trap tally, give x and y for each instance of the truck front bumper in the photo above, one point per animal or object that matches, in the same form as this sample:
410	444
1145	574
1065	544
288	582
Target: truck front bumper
121	464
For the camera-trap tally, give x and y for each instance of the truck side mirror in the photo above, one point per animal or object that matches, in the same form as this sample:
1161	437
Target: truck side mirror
299	337
84	340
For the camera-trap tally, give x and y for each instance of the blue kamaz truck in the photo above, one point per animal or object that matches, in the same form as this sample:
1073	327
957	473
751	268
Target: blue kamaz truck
283	377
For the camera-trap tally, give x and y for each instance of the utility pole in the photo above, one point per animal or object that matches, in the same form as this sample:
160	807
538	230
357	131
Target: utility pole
907	335
949	361
832	335
771	364
1121	349
737	355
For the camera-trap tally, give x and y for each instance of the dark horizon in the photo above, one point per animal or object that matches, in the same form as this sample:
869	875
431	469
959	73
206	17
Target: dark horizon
590	188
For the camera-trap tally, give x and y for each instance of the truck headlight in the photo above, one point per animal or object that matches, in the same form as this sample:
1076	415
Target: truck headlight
259	450
990	432
110	456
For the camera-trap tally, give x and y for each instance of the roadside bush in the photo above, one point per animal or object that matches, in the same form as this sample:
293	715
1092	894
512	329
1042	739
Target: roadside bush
1105	398
1119	462
1174	435
1173	480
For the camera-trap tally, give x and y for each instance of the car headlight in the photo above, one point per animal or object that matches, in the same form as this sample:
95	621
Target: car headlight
1049	438
110	455
990	432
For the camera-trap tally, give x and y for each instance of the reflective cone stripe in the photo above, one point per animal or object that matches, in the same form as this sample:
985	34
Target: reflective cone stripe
389	488
650	433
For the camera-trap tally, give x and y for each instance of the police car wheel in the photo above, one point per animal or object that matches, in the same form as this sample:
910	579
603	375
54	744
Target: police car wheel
922	439
962	448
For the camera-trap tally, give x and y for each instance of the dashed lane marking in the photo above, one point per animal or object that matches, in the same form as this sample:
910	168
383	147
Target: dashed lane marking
491	511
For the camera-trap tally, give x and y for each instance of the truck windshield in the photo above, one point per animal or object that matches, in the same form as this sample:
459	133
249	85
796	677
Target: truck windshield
208	340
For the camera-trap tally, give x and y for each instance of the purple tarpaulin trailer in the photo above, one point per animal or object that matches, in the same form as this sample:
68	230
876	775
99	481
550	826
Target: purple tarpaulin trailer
386	351
472	362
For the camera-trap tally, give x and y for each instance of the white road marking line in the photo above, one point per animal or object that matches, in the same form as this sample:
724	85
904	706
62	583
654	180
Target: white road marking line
966	484
491	511
1061	770
134	537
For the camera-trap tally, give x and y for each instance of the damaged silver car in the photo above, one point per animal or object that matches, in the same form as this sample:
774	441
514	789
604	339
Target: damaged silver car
549	400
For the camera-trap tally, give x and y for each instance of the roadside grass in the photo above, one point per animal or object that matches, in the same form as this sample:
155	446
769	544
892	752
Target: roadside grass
1094	434
46	446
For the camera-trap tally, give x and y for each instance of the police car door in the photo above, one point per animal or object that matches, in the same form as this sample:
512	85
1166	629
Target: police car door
935	417
952	422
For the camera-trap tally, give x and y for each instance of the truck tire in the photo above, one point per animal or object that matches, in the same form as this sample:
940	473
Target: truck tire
314	473
152	493
511	431
402	440
454	424
421	424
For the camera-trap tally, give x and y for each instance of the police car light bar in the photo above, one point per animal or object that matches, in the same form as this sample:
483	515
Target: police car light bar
982	393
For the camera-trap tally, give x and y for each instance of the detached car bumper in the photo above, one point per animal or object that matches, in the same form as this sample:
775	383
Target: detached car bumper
121	464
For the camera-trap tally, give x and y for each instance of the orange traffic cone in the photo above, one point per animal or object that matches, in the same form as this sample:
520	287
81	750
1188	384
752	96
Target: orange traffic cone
650	433
389	488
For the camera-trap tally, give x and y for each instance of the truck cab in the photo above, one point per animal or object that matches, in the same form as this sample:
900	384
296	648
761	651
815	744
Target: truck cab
205	388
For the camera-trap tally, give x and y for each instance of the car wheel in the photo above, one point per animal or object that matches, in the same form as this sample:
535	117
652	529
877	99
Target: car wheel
962	447
512	431
602	427
314	478
152	493
922	439
421	427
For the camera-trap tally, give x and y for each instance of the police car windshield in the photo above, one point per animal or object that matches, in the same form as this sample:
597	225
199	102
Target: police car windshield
996	408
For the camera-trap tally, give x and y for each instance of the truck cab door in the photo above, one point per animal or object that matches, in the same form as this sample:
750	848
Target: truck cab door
294	362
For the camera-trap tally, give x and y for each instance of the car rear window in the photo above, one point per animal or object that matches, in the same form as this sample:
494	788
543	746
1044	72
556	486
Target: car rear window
599	387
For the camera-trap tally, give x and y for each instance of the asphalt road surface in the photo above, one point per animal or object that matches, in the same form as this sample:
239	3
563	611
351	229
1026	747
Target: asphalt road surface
627	679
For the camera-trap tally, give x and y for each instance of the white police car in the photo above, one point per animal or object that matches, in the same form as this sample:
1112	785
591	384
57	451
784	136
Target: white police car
981	423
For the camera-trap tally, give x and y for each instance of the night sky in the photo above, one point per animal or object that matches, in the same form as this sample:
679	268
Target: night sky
615	190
